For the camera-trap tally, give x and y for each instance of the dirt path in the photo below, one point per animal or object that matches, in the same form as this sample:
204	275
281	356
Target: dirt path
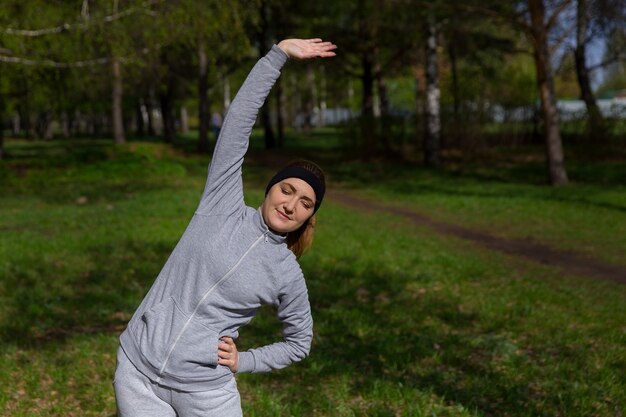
571	263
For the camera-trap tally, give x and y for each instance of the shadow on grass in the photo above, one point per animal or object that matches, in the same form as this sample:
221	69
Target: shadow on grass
48	302
383	327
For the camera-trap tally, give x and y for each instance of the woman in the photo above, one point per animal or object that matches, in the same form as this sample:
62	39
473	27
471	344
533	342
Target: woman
177	355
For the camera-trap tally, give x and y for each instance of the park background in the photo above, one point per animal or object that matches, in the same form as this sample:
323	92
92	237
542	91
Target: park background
469	259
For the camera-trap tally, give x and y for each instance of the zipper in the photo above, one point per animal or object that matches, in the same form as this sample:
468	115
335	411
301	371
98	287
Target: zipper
206	294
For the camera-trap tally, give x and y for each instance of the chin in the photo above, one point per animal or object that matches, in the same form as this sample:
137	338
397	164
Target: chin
280	227
276	225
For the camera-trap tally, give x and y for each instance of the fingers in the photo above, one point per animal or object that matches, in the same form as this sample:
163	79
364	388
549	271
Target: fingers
227	347
224	349
226	362
322	50
227	354
224	355
323	45
228	340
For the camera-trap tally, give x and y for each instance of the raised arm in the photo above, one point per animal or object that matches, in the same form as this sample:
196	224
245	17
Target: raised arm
223	192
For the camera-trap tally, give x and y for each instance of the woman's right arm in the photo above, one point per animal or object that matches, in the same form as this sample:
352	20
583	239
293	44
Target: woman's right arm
223	192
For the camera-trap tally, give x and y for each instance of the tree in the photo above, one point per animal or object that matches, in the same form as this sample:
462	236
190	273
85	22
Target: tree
536	23
432	134
375	39
580	53
216	30
116	93
537	33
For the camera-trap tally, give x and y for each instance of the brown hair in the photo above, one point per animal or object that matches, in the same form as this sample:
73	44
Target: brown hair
301	240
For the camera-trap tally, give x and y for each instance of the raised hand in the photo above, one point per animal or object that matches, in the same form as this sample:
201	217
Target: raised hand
227	353
307	48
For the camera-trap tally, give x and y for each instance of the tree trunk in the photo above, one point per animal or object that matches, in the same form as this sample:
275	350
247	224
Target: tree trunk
166	99
432	134
118	122
15	124
184	120
266	121
149	112
381	86
65	124
25	115
455	77
141	126
323	98
454	139
1	128
367	103
203	100
226	94
270	142
554	146
311	100
167	115
48	131
420	94
595	126
280	113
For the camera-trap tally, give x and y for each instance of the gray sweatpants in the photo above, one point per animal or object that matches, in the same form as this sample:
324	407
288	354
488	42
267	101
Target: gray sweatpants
137	396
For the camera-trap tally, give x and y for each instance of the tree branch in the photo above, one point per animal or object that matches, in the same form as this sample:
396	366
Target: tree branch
77	26
559	41
560	9
53	64
608	61
76	64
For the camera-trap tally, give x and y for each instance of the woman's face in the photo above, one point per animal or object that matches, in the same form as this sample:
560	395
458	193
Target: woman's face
288	204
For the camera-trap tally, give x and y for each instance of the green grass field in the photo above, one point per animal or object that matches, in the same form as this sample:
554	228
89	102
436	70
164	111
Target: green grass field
407	322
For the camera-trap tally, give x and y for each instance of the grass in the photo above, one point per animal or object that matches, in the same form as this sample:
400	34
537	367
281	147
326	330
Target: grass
408	323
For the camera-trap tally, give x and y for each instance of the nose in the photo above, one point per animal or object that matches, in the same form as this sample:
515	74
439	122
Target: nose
290	205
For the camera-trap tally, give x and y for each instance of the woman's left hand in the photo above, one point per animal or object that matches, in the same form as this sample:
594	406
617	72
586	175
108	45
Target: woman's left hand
227	353
307	48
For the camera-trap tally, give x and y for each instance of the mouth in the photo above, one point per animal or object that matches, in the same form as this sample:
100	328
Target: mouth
282	215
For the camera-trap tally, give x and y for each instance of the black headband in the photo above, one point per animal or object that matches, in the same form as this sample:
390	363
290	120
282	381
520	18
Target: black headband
305	175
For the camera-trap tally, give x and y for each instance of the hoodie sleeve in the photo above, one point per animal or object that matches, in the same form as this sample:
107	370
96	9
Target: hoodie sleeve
294	312
223	192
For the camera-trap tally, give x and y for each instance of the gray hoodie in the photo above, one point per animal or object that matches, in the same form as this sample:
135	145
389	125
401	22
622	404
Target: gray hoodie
225	266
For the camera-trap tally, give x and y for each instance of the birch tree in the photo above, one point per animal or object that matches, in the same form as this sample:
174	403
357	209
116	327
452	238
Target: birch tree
432	134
